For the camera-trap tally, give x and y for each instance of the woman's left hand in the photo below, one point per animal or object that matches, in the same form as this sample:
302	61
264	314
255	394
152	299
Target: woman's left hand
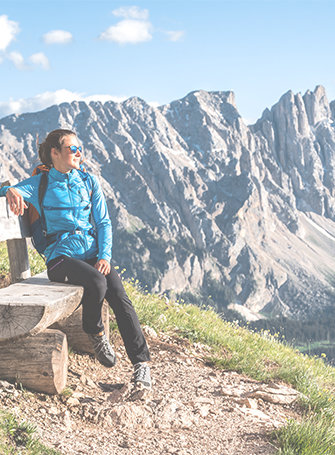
103	266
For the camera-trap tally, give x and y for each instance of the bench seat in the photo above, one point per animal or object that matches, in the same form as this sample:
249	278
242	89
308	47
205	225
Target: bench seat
32	305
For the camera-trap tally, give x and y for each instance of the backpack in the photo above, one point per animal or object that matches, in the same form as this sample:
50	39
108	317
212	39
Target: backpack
40	238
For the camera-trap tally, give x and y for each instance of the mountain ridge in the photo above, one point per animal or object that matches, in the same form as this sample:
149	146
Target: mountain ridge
203	203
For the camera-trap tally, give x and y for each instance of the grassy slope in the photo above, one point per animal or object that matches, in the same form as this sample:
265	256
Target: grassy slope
258	355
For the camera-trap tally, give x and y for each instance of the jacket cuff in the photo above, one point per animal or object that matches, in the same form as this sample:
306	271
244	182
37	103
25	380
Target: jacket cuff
106	257
4	190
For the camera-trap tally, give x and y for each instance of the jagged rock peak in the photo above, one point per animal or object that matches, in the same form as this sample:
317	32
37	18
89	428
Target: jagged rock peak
198	105
204	96
302	112
317	105
135	101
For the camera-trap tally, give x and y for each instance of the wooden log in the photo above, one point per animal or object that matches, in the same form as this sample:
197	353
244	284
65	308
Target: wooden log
72	327
37	362
18	259
29	307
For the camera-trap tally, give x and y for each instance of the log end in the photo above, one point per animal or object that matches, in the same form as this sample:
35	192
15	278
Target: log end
37	362
17	320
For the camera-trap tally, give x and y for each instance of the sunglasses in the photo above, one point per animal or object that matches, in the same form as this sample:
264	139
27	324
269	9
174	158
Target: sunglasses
74	148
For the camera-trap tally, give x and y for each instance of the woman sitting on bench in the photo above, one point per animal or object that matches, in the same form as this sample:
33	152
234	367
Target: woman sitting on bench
79	252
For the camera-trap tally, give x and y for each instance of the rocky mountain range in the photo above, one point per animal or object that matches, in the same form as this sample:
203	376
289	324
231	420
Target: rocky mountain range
202	203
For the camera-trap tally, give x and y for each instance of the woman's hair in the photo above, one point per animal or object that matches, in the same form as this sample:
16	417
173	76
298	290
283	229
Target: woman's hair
53	139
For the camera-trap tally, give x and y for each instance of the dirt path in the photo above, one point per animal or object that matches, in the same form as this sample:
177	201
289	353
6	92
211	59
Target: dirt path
194	409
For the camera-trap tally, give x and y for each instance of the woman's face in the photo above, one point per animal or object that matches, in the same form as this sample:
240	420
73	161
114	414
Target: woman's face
64	159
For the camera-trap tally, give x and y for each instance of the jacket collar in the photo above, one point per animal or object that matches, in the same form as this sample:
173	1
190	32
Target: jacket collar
59	176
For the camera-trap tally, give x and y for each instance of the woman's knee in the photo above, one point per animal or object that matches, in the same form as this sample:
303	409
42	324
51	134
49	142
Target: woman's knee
97	284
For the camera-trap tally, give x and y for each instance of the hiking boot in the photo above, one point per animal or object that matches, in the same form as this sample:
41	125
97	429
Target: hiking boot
141	375
103	350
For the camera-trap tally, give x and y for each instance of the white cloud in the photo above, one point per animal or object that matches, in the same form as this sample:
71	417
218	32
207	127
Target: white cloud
8	30
131	12
128	31
17	59
134	28
57	37
46	99
40	59
175	35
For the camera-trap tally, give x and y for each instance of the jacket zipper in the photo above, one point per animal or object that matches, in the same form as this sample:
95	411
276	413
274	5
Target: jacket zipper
74	219
70	196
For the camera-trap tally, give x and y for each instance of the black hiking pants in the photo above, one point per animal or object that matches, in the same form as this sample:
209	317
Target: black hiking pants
98	287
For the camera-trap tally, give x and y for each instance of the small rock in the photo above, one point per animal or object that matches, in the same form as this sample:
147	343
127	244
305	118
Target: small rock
53	410
139	392
206	400
7	387
77	394
118	395
276	395
232	391
128	415
247	402
254	412
68	423
203	410
171	450
90	383
149	331
73	402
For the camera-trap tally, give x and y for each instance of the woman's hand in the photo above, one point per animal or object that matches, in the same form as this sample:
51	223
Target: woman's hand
103	266
15	201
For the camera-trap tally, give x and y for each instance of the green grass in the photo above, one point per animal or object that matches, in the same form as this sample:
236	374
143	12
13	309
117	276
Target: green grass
314	435
18	437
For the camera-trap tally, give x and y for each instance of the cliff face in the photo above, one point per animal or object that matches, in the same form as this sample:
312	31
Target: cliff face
198	197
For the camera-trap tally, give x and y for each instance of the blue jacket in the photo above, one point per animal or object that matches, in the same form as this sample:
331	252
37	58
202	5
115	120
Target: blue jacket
67	208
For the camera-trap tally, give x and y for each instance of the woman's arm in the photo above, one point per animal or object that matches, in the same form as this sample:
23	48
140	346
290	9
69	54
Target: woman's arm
27	190
102	221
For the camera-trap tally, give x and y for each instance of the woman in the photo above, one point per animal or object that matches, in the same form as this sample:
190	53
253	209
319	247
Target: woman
79	253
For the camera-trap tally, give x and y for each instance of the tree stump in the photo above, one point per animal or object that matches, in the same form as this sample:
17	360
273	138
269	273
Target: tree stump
37	362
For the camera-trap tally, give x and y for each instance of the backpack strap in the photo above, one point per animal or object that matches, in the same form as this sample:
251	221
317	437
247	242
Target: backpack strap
41	193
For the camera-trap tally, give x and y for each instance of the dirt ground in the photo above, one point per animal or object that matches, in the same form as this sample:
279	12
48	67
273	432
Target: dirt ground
193	409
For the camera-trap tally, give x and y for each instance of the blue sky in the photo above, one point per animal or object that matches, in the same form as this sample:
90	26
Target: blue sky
161	50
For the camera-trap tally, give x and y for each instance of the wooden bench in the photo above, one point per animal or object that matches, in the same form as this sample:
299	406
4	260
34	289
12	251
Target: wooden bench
38	318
